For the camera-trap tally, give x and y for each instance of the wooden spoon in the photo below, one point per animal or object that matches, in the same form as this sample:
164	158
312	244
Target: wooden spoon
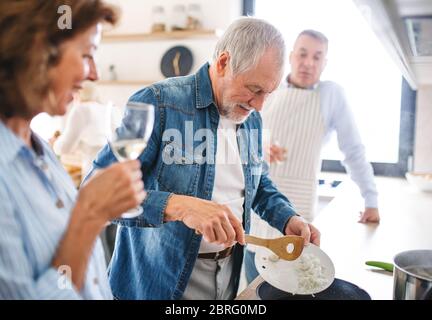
279	245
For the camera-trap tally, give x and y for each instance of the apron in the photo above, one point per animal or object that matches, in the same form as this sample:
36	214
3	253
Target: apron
294	116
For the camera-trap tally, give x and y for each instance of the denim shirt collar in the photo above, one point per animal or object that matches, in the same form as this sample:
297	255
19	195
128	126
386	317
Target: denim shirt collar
204	91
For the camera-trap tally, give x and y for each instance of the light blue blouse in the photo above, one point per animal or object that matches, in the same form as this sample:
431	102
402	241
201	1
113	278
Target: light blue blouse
36	199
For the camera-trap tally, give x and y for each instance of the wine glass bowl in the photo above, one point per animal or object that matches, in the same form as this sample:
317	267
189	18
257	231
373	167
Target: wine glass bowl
129	141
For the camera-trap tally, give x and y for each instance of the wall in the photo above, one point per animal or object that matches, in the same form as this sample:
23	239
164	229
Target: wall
141	60
136	14
423	138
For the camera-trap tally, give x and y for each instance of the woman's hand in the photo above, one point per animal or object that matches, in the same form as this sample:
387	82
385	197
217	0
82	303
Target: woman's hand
111	192
104	197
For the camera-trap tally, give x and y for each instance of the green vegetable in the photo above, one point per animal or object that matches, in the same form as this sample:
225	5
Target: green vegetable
379	264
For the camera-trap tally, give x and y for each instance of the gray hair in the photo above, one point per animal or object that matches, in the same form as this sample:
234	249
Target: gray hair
314	34
246	40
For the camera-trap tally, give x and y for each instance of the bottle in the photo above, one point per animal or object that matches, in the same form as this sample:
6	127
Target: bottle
112	73
179	19
158	19
194	17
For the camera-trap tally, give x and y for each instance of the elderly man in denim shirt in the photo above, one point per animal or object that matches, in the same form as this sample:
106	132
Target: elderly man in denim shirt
204	174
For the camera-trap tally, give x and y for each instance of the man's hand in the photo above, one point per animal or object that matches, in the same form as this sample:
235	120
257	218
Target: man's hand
369	215
214	221
54	138
276	153
299	227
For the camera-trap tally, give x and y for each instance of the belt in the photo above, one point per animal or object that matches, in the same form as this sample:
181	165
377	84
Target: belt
216	255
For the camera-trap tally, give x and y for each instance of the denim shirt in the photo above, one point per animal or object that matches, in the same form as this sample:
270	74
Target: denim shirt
153	259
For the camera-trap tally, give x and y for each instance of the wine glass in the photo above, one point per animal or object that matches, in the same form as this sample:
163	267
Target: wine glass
130	139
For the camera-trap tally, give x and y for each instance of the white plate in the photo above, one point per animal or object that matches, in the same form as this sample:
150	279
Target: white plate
283	274
422	181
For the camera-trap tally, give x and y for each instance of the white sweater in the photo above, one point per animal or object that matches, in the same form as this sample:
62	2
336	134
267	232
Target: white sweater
88	126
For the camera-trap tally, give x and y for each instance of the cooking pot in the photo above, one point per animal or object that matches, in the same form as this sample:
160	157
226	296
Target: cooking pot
412	275
338	290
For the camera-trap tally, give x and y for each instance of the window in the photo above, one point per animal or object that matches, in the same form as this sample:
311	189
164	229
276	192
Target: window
358	62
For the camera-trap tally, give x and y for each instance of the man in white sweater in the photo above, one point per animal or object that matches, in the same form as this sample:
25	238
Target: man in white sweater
301	115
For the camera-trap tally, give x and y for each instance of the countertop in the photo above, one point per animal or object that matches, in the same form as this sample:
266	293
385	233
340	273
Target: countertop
406	224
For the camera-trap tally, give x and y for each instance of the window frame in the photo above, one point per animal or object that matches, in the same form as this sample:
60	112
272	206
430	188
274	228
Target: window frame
248	7
406	140
406	130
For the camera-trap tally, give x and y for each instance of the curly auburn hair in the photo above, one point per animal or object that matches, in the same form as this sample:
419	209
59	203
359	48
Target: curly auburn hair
29	47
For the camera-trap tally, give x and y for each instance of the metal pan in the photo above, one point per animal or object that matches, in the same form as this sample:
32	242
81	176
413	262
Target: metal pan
338	290
413	275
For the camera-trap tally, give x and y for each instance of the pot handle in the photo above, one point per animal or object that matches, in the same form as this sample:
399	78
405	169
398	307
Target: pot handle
380	264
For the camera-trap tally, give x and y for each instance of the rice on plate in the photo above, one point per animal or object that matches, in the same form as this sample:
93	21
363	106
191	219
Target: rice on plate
311	273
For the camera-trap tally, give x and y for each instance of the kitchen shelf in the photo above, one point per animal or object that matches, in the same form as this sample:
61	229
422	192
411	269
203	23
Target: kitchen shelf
124	82
172	35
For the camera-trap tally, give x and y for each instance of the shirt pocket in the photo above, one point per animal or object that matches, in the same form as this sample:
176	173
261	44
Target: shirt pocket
178	172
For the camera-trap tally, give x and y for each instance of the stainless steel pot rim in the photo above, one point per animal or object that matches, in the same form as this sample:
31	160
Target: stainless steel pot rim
404	253
414	275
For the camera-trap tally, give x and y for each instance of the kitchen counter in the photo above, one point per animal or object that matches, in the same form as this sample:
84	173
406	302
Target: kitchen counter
406	224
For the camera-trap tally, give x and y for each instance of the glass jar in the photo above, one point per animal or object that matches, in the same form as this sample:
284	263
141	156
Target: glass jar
158	19
178	21
112	73
194	17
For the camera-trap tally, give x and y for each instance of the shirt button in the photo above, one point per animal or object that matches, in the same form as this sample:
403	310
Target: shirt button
96	281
